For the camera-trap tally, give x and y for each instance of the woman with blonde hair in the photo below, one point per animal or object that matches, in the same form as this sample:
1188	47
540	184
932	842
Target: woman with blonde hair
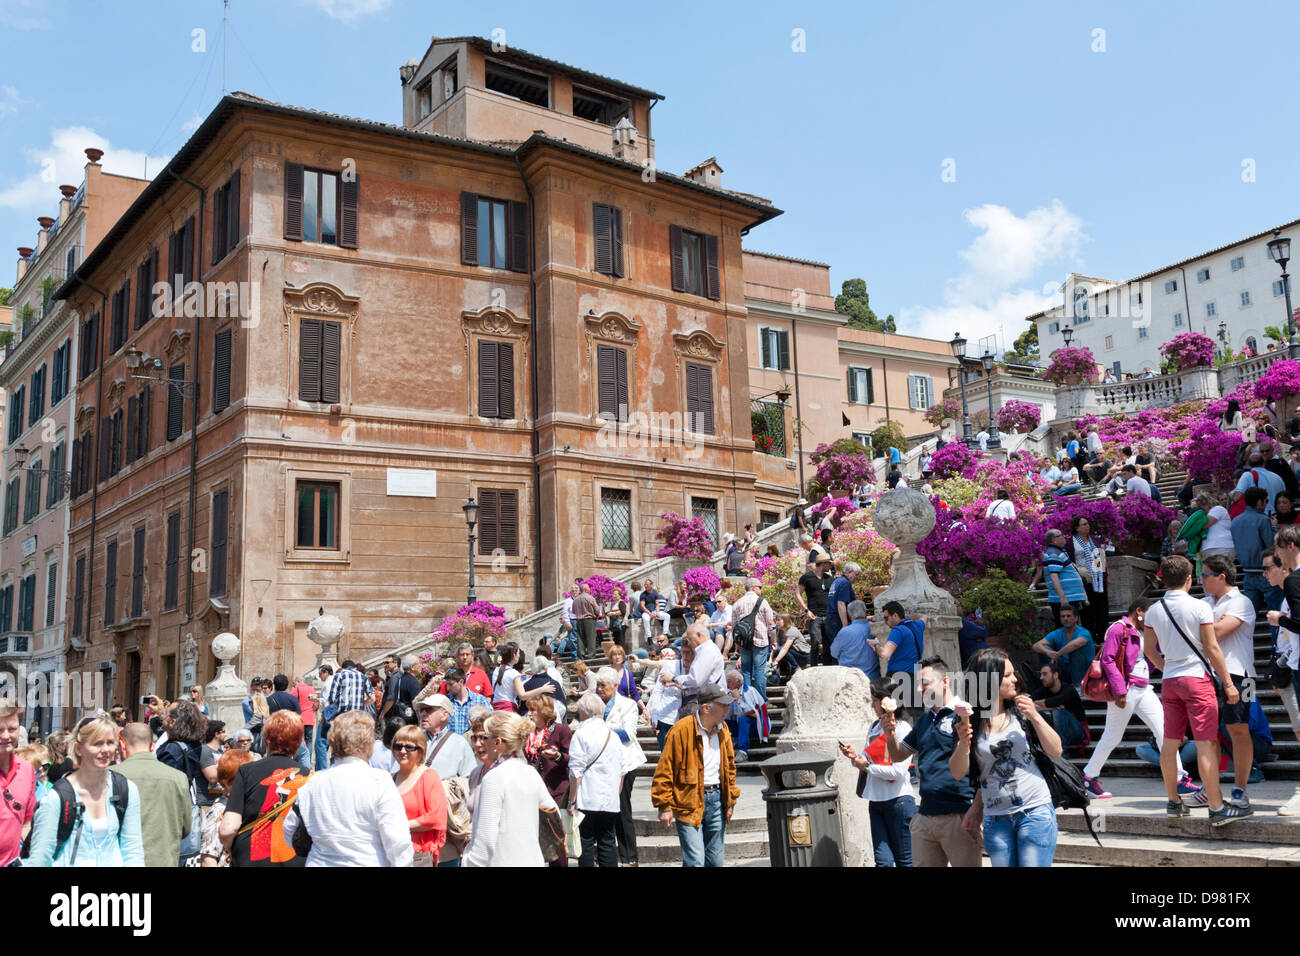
583	679
547	749
506	802
103	805
261	714
423	798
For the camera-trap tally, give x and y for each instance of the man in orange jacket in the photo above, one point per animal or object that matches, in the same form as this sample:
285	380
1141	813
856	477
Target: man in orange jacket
695	781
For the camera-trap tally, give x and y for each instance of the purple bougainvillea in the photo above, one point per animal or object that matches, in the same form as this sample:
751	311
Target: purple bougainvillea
1018	416
1280	382
1070	361
954	460
1189	350
684	537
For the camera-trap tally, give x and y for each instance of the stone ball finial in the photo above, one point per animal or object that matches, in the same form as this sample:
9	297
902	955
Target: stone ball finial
903	516
226	647
325	630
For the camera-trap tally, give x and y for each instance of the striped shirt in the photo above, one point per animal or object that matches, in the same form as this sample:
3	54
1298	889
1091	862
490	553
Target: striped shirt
459	722
1056	561
348	692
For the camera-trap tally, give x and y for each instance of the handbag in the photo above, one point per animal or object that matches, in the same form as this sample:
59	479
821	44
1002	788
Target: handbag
1278	672
1095	686
1064	780
1219	693
550	834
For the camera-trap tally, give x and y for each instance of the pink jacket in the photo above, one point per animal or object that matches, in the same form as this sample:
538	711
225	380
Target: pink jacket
1115	635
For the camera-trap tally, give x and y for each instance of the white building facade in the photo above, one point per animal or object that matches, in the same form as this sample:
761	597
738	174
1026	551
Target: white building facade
1231	293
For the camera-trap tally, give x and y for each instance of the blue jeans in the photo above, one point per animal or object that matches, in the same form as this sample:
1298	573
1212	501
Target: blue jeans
322	739
661	732
702	845
891	833
567	644
1066	725
1152	756
753	667
1023	838
742	728
1071	489
303	756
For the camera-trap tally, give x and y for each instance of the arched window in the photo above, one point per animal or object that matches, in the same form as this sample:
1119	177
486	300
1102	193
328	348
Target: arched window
1250	344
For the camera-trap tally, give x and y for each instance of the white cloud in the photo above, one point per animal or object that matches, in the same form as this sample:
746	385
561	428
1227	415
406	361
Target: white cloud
997	290
193	123
11	101
64	161
350	10
20	15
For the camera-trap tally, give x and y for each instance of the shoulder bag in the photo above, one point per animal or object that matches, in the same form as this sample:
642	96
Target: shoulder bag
1219	693
1095	686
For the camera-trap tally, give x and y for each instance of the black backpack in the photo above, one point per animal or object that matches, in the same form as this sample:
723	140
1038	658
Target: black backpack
68	815
743	630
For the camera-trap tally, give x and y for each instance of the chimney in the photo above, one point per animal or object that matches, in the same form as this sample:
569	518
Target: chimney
624	140
707	173
43	237
94	155
24	253
65	204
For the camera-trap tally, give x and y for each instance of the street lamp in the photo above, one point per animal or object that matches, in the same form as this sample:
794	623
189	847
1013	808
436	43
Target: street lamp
149	368
471	519
1067	333
995	440
62	480
959	349
1279	247
1223	337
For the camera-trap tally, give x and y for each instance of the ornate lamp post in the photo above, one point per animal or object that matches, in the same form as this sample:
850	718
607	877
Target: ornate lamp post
471	519
959	349
150	368
1279	248
1067	333
995	440
62	480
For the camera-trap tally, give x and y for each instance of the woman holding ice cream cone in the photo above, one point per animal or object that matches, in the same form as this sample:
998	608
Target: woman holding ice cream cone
886	784
1012	797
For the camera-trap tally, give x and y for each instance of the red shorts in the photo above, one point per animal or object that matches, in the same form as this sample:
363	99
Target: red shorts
1190	701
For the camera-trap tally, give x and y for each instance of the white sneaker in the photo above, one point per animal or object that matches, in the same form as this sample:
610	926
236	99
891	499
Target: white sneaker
1292	807
741	757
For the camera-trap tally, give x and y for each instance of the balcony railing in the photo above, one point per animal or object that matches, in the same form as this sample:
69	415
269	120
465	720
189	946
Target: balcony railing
15	643
767	420
1247	370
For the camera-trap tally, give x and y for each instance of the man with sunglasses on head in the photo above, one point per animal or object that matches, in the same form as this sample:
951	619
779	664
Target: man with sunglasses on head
1234	628
17	787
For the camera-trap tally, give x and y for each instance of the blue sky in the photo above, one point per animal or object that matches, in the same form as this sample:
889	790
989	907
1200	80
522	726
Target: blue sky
1066	157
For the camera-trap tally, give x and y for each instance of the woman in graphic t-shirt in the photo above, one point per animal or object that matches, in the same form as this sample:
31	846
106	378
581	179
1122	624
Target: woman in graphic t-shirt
1012	796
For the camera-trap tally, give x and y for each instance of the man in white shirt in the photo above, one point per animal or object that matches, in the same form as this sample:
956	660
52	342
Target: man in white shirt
566	611
1094	442
706	668
665	697
1218	534
448	753
1135	484
1234	627
622	716
983	439
1178	633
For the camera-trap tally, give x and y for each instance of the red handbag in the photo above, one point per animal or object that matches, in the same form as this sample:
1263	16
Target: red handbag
1095	686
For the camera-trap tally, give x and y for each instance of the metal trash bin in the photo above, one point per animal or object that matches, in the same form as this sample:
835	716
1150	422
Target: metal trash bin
803	822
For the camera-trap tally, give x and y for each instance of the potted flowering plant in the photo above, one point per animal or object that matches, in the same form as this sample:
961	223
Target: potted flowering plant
1009	609
1144	521
953	460
843	465
606	591
947	410
1189	350
1280	383
701	584
684	538
470	624
1017	416
1209	454
1071	365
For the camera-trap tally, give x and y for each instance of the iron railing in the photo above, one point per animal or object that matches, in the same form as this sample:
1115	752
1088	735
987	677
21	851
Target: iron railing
767	421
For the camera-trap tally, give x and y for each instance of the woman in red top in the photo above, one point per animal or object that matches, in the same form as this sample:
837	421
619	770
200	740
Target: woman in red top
422	796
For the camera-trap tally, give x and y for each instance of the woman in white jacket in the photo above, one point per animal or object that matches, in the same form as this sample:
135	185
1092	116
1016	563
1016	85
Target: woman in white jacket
886	785
506	802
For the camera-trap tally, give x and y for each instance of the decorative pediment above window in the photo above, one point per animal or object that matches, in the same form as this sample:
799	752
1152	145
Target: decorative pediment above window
177	346
116	392
493	321
85	418
697	345
321	299
612	327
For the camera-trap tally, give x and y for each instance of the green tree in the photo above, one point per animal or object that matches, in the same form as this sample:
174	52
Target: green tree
1025	348
4	295
887	433
854	302
1272	332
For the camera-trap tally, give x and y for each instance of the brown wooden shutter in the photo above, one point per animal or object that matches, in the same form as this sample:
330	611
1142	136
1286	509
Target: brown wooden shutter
232	213
603	238
293	201
175	404
692	397
469	229
606	382
508	521
172	585
517	216
349	203
115	453
187	251
221	372
79	596
105	440
218	208
487	521
678	265
620	370
309	378
705	397
217	566
137	574
713	284
506	371
616	241
142	423
110	584
489	392
331	361
131	405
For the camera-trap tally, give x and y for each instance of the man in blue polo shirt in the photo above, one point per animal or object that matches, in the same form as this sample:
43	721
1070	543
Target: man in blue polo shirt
938	837
906	644
838	601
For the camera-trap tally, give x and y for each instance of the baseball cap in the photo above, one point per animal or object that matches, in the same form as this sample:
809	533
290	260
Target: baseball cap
436	700
713	694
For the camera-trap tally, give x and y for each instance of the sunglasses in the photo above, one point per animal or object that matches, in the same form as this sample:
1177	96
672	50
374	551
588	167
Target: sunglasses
9	799
404	748
477	738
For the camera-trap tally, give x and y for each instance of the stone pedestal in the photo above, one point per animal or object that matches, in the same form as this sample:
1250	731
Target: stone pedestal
1126	578
825	705
1199	383
325	631
225	695
905	517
